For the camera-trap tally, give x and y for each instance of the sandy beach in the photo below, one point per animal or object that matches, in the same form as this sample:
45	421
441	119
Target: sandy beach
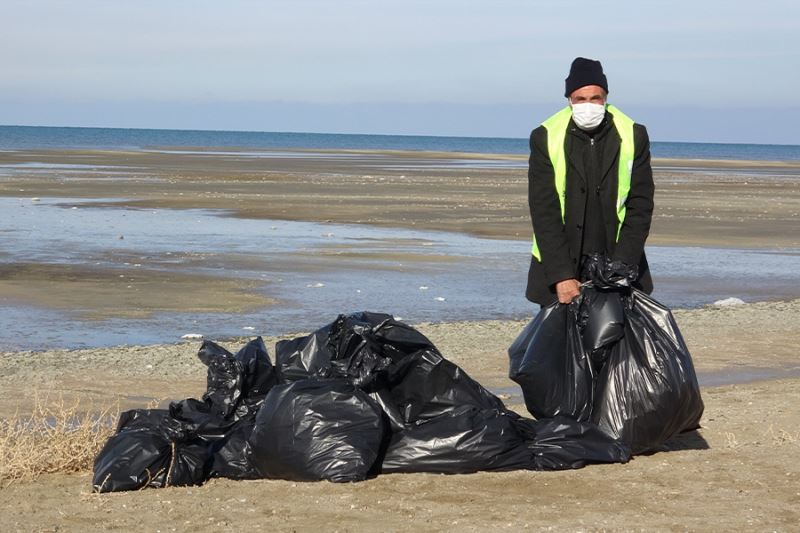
740	471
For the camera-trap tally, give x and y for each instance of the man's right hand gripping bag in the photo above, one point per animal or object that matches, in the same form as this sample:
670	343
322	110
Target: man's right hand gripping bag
647	391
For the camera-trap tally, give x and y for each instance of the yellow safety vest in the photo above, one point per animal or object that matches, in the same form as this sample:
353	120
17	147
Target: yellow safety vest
556	127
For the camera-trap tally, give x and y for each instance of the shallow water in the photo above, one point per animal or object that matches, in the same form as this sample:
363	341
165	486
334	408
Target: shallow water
317	271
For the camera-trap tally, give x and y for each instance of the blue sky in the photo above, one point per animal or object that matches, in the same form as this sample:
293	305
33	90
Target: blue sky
710	70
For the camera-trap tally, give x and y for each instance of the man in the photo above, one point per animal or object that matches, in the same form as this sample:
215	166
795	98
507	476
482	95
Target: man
590	189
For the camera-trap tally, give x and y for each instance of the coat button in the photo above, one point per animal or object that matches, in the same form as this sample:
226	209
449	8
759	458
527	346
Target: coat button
578	226
583	191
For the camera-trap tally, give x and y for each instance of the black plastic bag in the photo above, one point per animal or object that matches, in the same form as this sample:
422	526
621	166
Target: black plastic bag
549	362
317	429
452	424
232	454
430	385
224	382
647	391
601	320
606	273
459	440
449	422
178	446
562	443
359	347
258	374
236	384
149	449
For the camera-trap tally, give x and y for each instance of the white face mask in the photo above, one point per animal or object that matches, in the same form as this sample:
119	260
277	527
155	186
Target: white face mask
588	116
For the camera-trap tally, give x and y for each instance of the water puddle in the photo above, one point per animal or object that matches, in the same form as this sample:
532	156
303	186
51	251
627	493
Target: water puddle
316	271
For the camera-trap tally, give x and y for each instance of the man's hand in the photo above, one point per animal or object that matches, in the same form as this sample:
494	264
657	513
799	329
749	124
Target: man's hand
567	290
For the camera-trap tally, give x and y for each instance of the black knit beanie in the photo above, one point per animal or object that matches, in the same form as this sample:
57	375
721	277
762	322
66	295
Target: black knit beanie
585	72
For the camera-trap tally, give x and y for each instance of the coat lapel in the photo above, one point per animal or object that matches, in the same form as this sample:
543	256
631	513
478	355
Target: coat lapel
610	159
575	159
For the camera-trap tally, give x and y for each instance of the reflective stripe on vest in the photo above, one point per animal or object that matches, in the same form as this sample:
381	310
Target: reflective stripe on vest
556	127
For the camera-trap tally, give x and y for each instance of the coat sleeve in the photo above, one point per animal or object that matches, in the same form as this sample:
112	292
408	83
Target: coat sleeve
546	212
639	206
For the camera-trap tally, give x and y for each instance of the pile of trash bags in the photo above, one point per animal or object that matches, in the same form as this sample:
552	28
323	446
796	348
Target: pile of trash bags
605	377
362	396
614	357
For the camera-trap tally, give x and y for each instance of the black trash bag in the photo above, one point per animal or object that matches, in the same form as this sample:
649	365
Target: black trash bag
601	320
201	419
605	273
232	454
317	429
224	382
562	443
452	424
449	422
426	385
359	347
149	449
459	440
236	388
552	367
647	390
259	375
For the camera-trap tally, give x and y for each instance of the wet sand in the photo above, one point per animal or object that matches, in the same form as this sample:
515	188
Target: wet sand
716	203
739	471
732	204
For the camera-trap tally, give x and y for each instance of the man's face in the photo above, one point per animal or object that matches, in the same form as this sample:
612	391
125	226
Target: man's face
590	94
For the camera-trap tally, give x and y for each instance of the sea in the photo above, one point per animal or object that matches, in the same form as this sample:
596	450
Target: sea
44	137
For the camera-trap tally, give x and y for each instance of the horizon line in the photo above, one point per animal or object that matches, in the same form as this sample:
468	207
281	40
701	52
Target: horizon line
211	130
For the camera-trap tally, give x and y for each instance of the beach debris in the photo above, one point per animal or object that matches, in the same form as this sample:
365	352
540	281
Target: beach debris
121	237
423	287
729	301
315	285
363	395
192	336
440	299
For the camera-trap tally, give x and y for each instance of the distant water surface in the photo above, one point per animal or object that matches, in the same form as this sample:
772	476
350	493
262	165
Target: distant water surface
41	137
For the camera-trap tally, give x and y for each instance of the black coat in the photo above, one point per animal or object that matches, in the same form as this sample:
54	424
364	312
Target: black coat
560	243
